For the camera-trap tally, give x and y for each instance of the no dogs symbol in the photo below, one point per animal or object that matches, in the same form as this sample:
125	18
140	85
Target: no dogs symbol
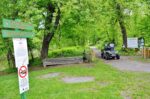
23	71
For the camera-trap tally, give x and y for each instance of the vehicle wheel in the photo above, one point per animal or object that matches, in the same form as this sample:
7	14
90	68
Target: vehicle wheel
102	55
107	57
117	56
113	57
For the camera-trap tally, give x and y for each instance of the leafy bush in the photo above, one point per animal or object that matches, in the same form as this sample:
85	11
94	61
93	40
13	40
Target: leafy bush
128	52
10	70
36	62
66	52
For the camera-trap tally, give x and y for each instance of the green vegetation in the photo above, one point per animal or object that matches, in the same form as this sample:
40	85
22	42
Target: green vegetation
66	52
64	23
36	62
63	52
145	60
109	83
67	28
3	62
128	52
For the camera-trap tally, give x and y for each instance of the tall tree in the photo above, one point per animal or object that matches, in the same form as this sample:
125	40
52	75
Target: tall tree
11	12
50	27
120	19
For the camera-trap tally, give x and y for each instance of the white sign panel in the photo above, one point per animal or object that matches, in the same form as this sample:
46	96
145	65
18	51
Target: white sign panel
20	51
23	78
132	42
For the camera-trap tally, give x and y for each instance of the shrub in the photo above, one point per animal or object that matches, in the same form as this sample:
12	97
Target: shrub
36	62
66	52
128	52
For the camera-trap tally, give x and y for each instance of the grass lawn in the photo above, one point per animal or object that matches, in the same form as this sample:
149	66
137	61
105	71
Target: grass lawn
109	84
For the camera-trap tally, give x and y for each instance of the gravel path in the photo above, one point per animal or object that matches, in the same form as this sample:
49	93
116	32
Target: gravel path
77	79
50	75
125	63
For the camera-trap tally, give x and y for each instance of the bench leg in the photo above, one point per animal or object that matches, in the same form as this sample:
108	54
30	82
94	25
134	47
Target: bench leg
44	65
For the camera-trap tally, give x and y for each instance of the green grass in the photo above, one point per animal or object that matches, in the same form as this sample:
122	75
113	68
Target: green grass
136	84
145	60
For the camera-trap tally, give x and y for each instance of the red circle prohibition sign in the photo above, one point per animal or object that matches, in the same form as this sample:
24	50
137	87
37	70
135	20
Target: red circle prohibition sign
23	71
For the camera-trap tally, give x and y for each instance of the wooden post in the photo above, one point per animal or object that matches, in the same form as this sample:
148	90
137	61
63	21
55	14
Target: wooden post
142	52
145	53
148	52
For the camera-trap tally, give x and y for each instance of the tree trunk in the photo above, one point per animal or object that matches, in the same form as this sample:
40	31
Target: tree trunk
31	53
48	36
45	45
44	50
124	33
10	58
121	23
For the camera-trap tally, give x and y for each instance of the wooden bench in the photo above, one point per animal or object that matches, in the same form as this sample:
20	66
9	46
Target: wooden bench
62	61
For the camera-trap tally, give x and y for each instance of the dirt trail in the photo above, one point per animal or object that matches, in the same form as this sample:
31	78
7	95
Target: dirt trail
125	63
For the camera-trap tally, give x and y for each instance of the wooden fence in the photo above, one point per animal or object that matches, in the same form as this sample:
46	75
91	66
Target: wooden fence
146	52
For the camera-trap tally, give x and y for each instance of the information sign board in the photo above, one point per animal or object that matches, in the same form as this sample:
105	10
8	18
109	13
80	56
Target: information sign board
20	51
132	42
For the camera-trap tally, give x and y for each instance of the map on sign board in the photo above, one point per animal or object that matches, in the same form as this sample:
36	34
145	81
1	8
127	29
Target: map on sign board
132	42
23	78
20	51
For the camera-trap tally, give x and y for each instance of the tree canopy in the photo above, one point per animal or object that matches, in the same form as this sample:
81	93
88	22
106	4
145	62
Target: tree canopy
62	23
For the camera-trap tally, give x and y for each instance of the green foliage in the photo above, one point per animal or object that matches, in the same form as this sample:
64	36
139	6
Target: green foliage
66	52
36	62
10	70
82	22
128	52
3	61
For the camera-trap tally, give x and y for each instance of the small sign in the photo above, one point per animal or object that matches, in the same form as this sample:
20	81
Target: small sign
141	42
17	25
17	34
20	51
23	78
132	42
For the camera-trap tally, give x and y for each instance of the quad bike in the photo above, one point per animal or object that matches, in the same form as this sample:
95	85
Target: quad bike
109	53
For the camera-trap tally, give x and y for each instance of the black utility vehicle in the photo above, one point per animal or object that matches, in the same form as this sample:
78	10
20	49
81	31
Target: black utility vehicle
109	52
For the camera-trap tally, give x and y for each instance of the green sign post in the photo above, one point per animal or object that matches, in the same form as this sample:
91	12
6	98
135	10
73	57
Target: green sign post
16	29
17	25
24	32
17	34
